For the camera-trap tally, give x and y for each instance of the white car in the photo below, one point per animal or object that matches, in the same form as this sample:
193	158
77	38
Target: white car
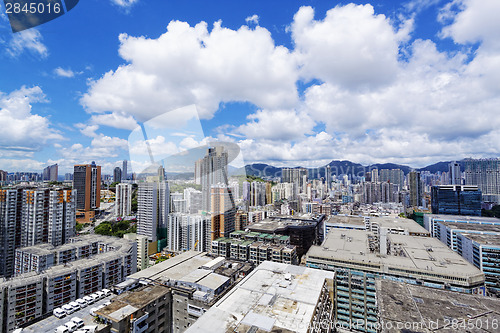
78	322
68	309
75	305
71	326
59	313
81	302
106	292
106	303
90	329
62	329
100	294
88	299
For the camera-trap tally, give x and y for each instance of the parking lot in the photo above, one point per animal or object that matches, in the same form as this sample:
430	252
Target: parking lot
51	323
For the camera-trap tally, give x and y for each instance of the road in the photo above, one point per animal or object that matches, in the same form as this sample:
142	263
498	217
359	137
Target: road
107	214
51	323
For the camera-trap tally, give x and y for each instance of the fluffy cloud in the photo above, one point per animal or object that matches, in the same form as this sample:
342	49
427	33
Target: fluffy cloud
277	125
116	119
473	21
28	40
373	94
22	130
351	46
192	65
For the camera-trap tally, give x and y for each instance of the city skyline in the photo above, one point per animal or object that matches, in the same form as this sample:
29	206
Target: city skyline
423	89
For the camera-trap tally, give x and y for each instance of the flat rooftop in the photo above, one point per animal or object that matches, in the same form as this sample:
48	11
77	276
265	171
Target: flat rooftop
275	223
419	254
383	221
423	309
175	267
464	218
131	301
472	226
484	239
273	297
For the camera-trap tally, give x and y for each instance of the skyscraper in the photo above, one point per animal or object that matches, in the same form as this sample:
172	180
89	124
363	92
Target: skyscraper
223	212
415	189
50	173
454	175
485	173
153	207
87	183
328	177
117	175
123	202
212	170
124	170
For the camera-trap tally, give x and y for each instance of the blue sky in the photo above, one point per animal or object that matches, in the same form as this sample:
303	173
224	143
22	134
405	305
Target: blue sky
290	82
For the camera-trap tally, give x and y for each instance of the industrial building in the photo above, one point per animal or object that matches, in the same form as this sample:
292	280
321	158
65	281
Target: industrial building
394	224
409	308
360	257
475	238
274	297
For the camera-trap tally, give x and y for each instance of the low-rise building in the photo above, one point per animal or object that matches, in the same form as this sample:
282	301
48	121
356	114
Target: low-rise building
275	297
146	309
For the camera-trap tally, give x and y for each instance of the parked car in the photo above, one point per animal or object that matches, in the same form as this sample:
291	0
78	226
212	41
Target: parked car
89	299
78	321
71	326
106	292
75	305
68	309
59	313
62	329
81	302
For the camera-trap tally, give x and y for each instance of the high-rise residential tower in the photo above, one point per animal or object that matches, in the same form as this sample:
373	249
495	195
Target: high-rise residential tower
223	212
153	209
212	170
87	183
32	216
124	170
454	175
50	173
123	202
415	189
485	173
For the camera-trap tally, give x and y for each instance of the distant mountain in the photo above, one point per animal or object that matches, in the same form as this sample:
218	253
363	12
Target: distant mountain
406	169
342	168
439	166
262	170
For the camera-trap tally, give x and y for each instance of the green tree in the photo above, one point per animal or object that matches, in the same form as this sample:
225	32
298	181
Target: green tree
104	228
79	227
